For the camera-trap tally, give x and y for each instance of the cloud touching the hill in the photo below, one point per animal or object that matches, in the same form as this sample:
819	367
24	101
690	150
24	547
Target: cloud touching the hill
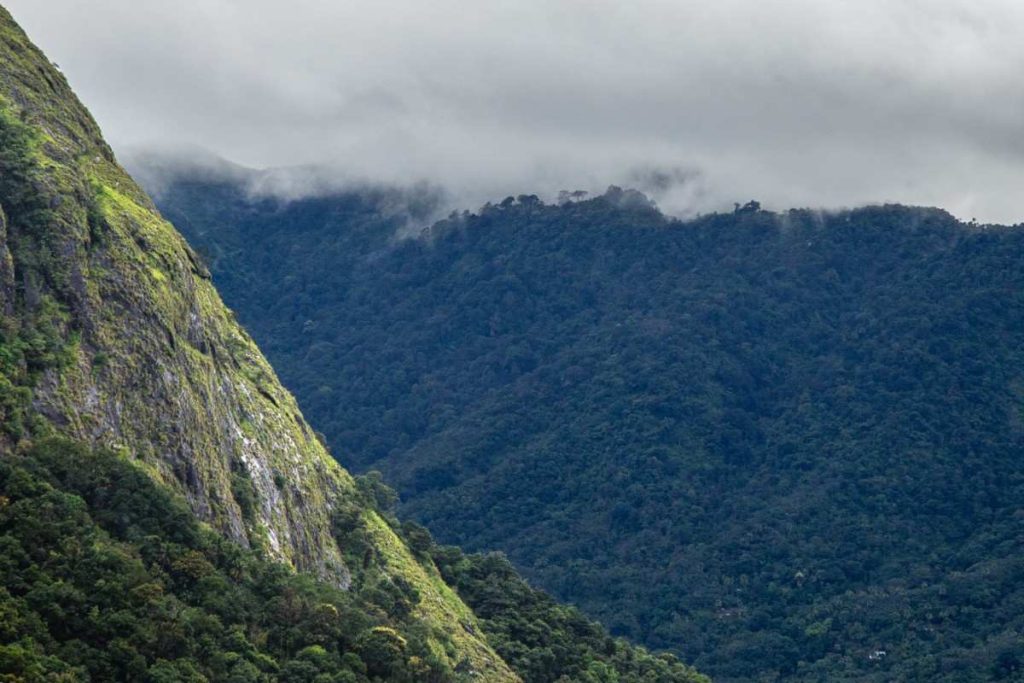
820	103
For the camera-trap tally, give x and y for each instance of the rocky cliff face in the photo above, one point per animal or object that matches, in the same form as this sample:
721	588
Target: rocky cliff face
112	333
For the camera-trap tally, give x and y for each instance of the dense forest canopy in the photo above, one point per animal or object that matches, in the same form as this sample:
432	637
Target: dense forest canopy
782	444
106	576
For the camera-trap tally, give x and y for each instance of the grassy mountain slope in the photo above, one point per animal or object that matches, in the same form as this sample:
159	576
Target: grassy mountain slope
114	335
787	445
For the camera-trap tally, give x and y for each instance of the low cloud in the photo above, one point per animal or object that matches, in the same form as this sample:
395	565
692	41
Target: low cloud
699	103
415	205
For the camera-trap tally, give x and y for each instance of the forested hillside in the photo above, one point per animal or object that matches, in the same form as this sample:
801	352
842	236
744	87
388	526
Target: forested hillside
106	576
787	445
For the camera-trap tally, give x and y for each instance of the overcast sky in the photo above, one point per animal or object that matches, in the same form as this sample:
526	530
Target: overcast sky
821	103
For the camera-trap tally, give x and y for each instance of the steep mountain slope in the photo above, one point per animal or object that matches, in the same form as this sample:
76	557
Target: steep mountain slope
105	575
789	444
113	334
132	405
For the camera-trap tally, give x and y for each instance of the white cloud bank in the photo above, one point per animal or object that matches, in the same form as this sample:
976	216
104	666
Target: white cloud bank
792	102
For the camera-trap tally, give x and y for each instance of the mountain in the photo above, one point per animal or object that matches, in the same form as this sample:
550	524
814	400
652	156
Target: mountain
166	513
786	445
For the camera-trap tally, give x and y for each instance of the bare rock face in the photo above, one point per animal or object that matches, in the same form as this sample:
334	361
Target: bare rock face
6	270
148	359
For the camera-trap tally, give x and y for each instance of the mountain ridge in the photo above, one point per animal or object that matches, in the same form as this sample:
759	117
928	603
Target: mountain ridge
779	442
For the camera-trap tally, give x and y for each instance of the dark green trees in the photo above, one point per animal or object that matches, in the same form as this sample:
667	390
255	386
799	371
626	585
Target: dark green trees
780	443
105	576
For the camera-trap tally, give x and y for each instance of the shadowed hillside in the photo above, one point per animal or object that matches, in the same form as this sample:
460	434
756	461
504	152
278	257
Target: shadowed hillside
786	443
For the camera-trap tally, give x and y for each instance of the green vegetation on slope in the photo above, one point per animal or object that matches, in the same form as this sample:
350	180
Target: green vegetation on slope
783	445
105	576
543	641
33	342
